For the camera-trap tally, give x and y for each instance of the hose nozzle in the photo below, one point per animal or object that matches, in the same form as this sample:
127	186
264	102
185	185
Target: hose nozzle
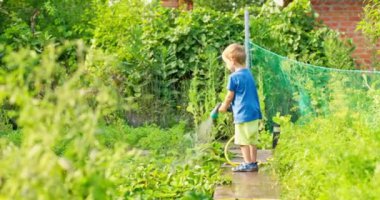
215	112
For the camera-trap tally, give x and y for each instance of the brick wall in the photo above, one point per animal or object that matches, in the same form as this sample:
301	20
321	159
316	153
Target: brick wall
176	3
169	3
344	15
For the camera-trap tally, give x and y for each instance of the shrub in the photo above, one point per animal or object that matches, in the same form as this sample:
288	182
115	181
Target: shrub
324	160
37	23
332	156
160	49
54	107
370	23
149	137
60	137
296	33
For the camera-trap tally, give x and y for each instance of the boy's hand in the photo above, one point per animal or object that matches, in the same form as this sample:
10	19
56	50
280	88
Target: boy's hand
223	108
227	101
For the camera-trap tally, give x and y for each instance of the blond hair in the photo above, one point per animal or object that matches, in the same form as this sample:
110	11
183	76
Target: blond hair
235	52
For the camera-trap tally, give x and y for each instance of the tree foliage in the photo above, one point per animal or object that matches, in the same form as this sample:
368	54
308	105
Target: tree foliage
36	23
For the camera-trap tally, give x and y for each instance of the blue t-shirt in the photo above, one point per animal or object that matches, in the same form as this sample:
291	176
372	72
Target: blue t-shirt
245	105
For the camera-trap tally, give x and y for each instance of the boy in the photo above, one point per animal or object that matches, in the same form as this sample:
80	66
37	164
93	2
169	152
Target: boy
242	97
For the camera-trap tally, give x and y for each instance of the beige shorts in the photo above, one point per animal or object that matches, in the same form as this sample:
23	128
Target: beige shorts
247	133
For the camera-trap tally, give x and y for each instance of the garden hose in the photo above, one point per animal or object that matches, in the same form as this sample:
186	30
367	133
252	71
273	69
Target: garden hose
214	115
226	153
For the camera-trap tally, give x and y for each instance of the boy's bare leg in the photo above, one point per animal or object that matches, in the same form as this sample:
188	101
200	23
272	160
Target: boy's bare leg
253	153
246	151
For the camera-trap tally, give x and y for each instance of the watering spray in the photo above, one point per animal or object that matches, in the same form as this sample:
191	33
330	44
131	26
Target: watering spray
205	128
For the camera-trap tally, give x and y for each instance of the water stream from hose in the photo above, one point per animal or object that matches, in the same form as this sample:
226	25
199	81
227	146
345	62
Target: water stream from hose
204	132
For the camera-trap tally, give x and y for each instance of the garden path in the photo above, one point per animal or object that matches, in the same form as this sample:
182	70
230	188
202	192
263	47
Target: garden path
249	185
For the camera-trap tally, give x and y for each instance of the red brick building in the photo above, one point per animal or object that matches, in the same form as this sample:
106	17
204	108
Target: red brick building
188	4
344	16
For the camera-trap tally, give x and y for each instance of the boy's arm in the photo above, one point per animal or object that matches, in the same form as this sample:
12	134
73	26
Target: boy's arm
227	101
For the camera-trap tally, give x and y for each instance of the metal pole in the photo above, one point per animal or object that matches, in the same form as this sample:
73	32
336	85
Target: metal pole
276	134
247	36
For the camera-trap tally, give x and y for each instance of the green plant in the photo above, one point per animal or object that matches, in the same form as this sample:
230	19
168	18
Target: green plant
14	137
161	55
205	87
265	140
165	178
325	157
63	108
36	23
371	27
370	23
148	137
73	156
296	33
324	160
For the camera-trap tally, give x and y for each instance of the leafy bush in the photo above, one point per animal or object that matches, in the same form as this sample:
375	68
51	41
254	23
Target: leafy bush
37	23
332	156
324	160
370	23
147	137
160	49
171	168
53	107
167	178
296	33
64	145
14	137
265	140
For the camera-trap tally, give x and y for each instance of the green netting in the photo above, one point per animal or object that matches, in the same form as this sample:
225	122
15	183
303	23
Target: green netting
303	90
